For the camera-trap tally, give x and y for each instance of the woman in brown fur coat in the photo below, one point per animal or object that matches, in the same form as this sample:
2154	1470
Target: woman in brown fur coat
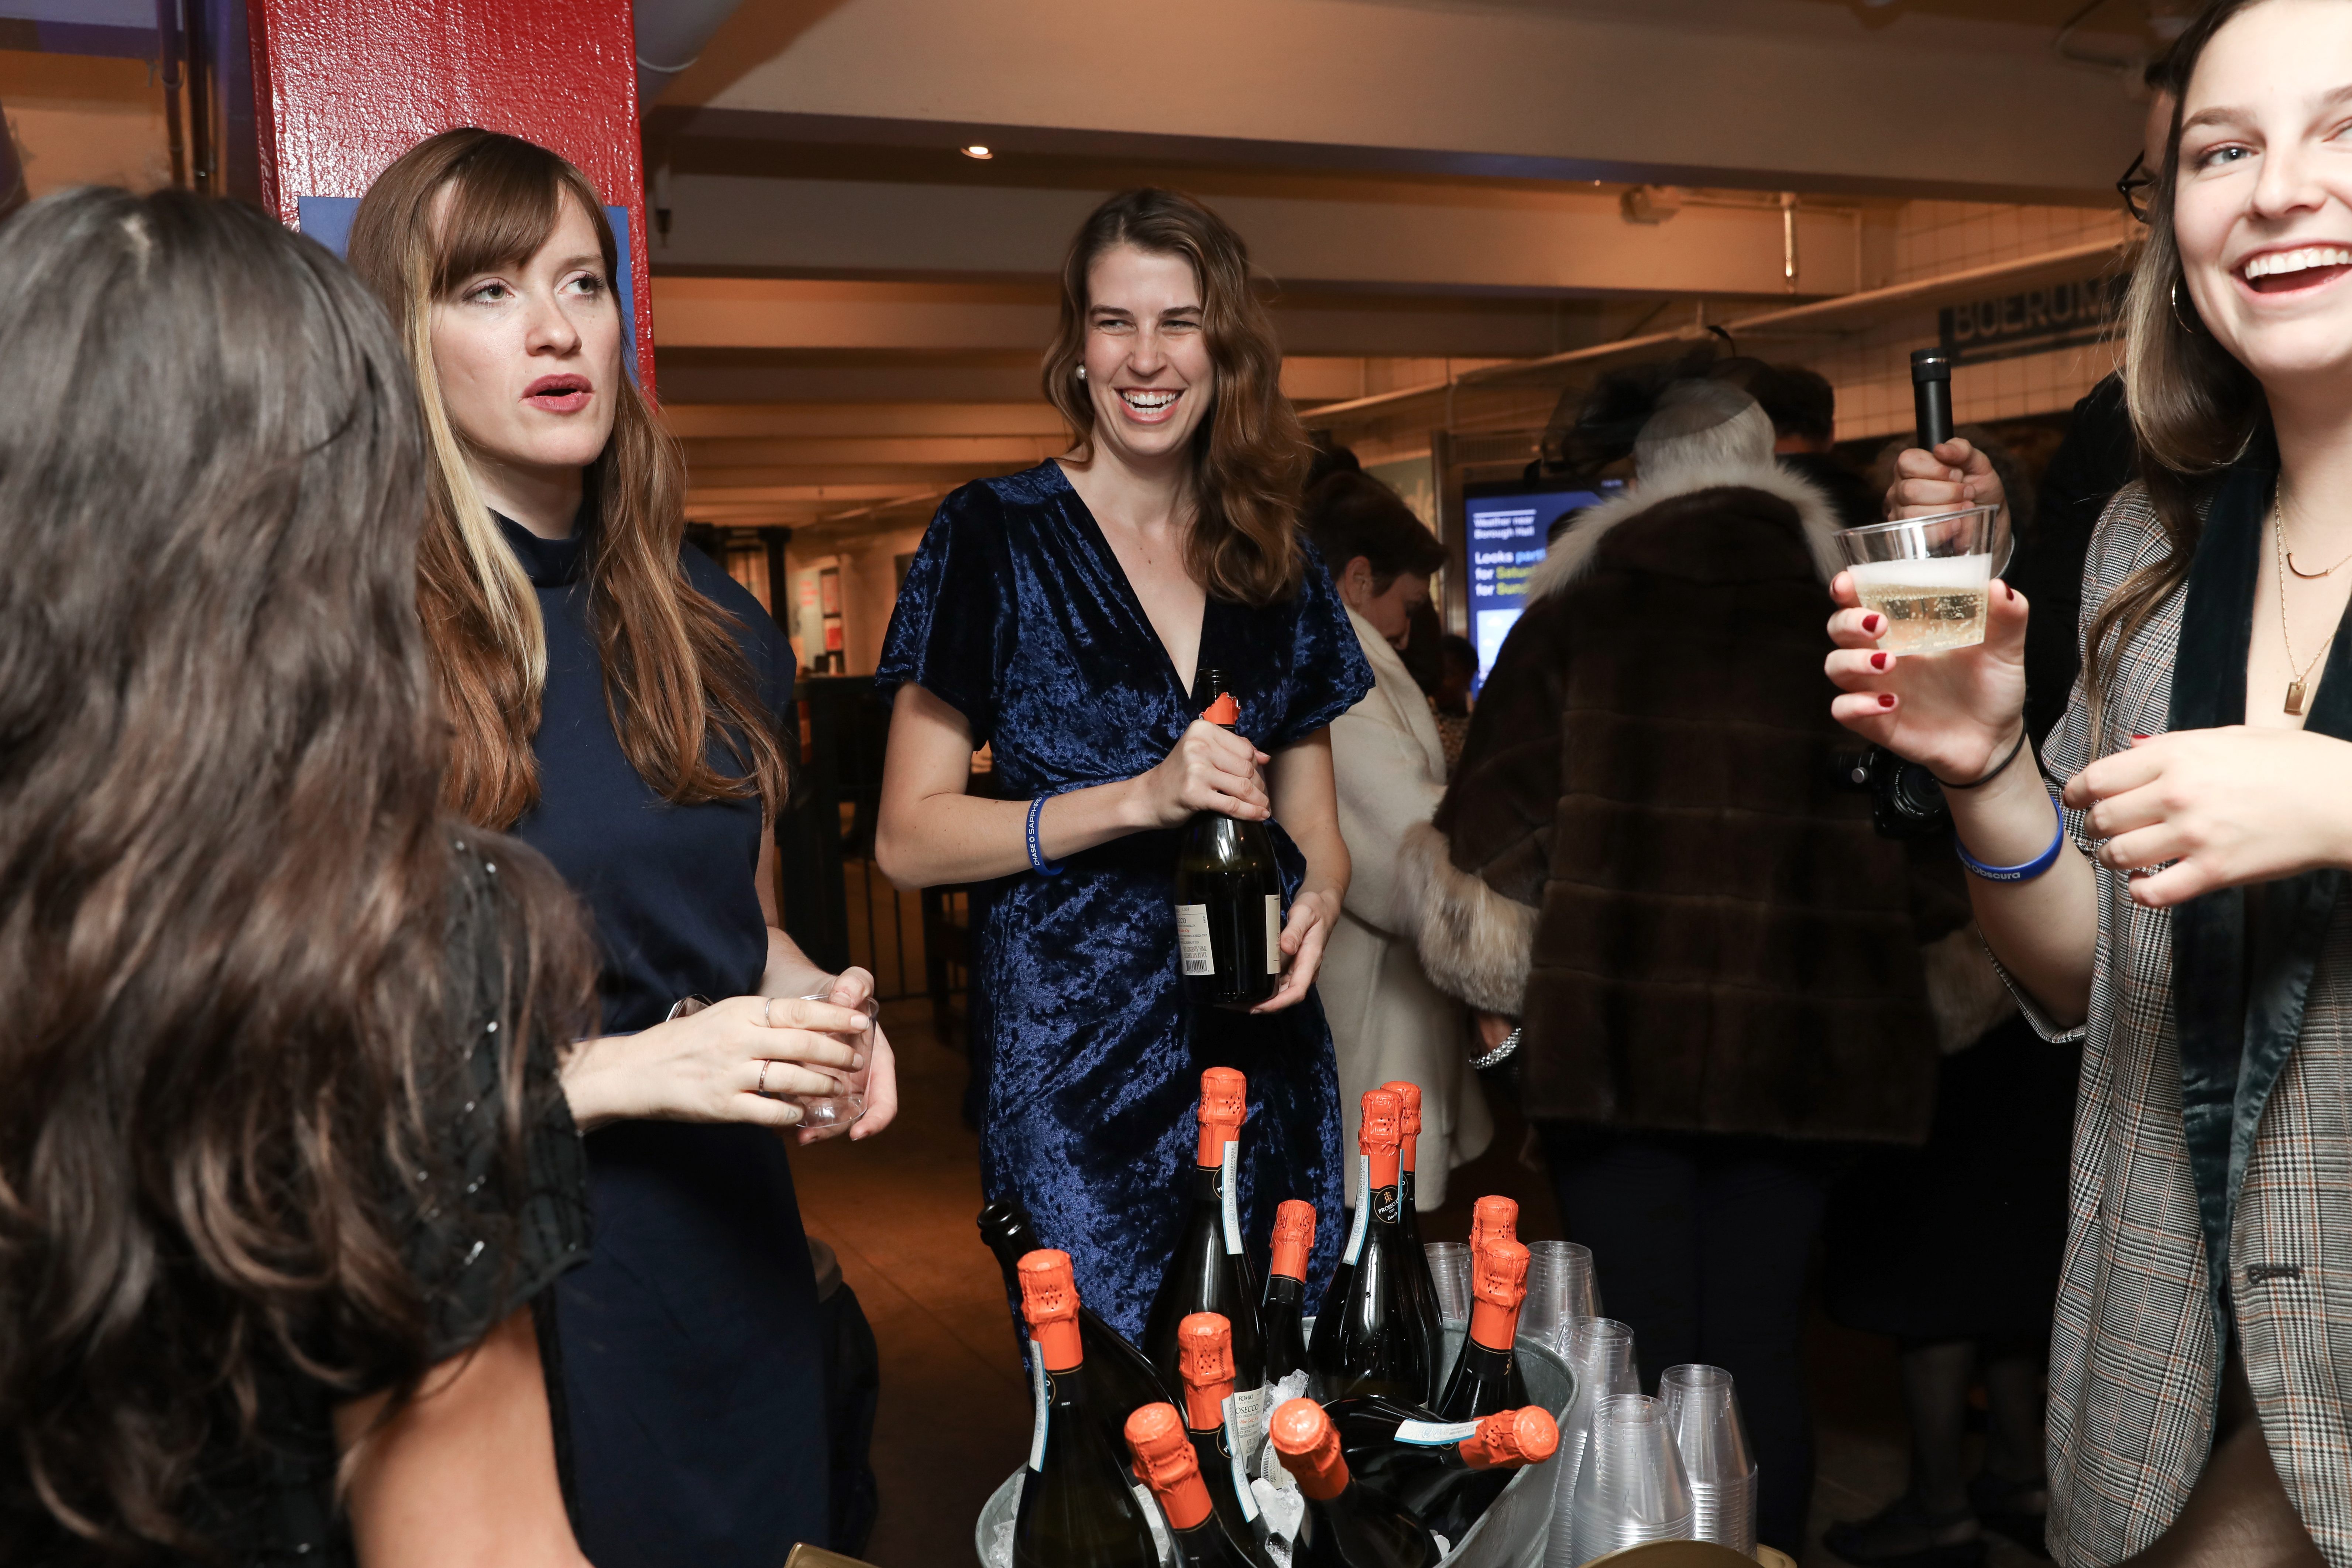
1653	864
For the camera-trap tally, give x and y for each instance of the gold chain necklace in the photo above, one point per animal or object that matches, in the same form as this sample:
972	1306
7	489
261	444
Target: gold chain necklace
2297	688
2278	519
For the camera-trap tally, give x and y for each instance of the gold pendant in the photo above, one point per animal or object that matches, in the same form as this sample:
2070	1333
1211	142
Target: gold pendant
2295	698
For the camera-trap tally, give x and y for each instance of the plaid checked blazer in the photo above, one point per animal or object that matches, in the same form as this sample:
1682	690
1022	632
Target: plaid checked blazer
2136	1352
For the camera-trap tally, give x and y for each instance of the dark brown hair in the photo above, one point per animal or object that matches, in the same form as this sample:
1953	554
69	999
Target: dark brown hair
225	896
676	682
2195	409
1352	513
1249	454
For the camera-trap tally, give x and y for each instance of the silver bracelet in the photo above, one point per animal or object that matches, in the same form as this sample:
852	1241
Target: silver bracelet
1501	1054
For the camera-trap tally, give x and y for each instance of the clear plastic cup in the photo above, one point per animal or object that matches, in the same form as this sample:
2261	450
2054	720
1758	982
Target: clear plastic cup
1632	1489
836	1111
1703	1412
1560	1289
1600	1351
1930	576
1449	1265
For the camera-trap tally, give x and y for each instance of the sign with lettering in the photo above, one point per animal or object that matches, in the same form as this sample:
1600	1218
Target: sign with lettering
2063	315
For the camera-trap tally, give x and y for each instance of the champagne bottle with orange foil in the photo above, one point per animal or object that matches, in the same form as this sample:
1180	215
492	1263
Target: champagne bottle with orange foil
1205	1344
1228	890
1494	1218
1286	1291
1425	1313
1366	1338
1165	1458
1078	1508
1486	1378
1444	1473
1120	1378
1211	1270
1348	1525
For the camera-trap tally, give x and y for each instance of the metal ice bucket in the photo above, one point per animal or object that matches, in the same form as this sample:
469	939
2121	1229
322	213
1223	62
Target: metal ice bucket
1510	1534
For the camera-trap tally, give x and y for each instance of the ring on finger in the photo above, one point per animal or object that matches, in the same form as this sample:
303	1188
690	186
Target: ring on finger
762	1090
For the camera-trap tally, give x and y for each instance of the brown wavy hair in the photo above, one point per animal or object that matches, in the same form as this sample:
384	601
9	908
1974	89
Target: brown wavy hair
676	685
224	893
1250	454
2195	410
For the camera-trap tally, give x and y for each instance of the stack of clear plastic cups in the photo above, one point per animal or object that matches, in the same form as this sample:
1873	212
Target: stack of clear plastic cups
1449	1265
1632	1489
1560	1289
1601	1352
1703	1412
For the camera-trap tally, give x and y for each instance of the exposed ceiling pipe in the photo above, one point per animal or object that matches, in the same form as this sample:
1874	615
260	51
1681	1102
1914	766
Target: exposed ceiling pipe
670	36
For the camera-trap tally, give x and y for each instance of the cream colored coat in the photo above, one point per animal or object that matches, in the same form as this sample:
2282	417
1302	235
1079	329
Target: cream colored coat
1387	1020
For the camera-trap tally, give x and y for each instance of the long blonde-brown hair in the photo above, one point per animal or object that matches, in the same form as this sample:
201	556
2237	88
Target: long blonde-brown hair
1249	455
2194	408
676	682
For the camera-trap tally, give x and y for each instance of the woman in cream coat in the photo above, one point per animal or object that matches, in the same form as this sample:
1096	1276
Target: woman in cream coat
1387	1021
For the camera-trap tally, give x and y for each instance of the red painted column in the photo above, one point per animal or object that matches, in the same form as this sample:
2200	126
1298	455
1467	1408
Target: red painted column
342	87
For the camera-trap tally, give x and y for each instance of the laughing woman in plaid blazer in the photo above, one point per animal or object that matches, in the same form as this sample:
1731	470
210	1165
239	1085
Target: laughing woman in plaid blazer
2186	913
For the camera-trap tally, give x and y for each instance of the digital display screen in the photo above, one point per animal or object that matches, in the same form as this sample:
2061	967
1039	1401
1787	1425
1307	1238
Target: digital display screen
1505	532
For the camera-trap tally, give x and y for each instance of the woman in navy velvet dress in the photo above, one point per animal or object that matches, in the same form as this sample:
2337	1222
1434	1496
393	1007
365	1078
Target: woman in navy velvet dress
613	700
1059	616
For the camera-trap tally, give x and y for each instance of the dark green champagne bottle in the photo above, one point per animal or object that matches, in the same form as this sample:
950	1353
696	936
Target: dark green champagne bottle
1169	1465
1486	1377
1228	892
1218	1444
1211	1271
1427	1320
1286	1291
1348	1525
1366	1339
1077	1508
1444	1473
1118	1376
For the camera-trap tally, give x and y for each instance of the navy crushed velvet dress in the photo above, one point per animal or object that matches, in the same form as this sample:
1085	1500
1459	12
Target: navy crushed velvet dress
1017	614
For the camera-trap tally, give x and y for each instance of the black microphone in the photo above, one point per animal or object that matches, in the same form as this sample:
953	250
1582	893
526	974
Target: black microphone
1931	395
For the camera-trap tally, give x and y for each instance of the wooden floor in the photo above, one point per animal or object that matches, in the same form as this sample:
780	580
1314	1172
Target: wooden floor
954	1418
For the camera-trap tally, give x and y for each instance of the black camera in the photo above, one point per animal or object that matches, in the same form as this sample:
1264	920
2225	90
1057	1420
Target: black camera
1906	801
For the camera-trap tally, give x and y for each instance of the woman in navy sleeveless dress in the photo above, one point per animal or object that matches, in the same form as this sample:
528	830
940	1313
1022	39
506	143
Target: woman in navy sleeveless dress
641	757
1062	635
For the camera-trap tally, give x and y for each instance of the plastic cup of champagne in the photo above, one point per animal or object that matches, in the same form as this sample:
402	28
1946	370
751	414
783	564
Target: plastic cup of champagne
1929	576
1449	1266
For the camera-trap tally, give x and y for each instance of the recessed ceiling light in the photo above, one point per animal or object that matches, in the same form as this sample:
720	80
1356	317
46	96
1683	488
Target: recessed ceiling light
976	151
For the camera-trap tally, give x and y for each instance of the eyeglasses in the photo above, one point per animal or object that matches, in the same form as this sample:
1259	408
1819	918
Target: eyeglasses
2135	185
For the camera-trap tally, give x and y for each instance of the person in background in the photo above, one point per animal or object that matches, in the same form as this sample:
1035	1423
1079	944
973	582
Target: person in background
1062	616
1802	406
1650	879
1451	702
285	1175
615	697
1387	1021
1953	1250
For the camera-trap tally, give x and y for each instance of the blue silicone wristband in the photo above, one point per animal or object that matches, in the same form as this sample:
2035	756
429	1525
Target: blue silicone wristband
2028	871
1038	861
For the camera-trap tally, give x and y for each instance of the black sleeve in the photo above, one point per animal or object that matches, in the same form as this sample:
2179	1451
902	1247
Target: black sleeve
2095	461
497	1224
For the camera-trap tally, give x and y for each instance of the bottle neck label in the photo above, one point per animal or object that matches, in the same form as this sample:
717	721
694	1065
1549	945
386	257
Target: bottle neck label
1493	1328
1435	1434
1363	1215
1037	1389
1229	1183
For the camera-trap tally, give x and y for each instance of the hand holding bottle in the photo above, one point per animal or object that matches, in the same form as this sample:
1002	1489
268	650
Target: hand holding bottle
1209	769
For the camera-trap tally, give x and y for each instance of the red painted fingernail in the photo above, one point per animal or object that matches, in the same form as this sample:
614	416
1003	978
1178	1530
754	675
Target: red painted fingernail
1886	699
1870	623
2140	737
1880	660
2007	590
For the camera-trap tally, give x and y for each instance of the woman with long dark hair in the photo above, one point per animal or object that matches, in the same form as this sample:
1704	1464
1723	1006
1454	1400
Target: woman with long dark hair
2179	907
615	699
1059	616
285	1171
